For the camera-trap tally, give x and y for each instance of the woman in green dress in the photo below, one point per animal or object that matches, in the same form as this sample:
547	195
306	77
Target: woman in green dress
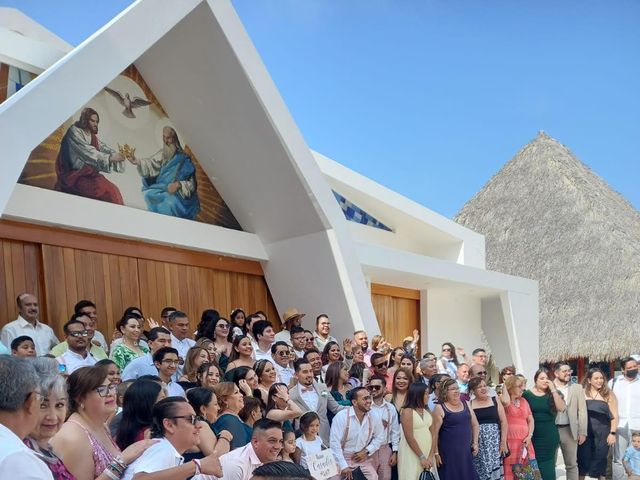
130	348
545	402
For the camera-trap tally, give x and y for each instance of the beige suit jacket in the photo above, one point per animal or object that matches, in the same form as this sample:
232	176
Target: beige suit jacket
325	401
577	411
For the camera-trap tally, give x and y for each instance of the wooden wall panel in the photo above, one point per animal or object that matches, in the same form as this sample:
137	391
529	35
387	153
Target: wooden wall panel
20	270
66	270
397	317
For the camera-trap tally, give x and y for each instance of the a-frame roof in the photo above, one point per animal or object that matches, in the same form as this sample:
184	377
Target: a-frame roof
202	67
548	217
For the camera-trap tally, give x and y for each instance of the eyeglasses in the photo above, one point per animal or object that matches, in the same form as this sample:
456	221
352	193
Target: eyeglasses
168	361
223	325
192	419
380	365
374	387
446	349
282	353
104	390
84	333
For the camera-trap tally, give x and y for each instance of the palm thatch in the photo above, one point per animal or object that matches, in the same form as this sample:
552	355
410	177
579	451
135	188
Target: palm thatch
548	217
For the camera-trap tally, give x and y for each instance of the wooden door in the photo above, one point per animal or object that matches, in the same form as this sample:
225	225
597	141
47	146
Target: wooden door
397	310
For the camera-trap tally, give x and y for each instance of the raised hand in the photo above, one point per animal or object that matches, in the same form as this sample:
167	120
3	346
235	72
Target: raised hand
347	345
152	323
244	386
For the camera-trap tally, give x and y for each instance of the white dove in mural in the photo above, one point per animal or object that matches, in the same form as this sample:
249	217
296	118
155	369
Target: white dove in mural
127	102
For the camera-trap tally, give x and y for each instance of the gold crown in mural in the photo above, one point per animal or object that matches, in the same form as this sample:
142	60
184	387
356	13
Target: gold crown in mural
127	151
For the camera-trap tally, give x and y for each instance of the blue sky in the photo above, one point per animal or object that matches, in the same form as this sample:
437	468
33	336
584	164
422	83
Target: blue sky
431	98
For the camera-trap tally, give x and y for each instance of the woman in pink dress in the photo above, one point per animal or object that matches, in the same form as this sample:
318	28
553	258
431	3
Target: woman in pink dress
520	420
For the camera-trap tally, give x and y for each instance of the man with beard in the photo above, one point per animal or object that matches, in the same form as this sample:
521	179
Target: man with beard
77	354
360	338
356	435
169	179
83	156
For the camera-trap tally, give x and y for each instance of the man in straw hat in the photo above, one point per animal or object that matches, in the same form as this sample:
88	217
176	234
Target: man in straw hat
290	319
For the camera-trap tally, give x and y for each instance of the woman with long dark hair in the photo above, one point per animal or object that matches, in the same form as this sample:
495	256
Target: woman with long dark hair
336	381
448	361
402	379
330	354
602	416
280	407
221	342
137	417
415	452
241	354
207	325
245	378
545	402
267	376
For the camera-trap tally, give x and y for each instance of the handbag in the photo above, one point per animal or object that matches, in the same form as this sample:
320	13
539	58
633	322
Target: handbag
426	475
527	468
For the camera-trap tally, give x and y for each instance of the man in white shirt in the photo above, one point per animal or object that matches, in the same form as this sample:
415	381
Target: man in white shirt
265	336
157	338
19	414
290	319
312	396
87	307
266	443
572	422
627	390
176	426
280	357
387	455
322	333
76	355
356	435
179	326
166	361
27	324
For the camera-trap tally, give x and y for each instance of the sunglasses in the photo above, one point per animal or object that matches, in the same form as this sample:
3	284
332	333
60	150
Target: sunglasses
192	419
482	373
446	349
380	365
374	387
223	325
282	353
84	333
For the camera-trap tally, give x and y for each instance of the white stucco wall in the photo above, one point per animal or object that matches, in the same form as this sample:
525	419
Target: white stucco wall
452	316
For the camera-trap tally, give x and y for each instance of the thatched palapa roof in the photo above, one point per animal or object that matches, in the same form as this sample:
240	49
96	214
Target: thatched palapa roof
548	217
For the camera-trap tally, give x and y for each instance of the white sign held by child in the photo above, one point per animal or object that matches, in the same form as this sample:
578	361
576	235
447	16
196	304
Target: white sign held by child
323	465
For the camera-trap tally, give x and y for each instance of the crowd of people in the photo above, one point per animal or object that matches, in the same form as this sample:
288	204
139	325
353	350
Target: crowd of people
236	401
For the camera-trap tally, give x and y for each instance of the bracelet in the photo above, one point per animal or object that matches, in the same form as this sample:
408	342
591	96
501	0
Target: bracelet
224	438
423	457
612	433
116	468
109	474
436	454
196	462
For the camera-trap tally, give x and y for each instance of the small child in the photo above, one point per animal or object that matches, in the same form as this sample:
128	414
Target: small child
288	446
631	459
23	346
309	443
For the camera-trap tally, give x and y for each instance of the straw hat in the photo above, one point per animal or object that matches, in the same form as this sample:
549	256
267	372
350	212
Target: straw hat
291	314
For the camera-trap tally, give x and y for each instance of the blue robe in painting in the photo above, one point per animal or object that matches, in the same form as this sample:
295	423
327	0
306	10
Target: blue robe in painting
159	200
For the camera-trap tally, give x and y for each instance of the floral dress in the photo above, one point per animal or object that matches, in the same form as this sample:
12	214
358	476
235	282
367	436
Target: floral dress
122	355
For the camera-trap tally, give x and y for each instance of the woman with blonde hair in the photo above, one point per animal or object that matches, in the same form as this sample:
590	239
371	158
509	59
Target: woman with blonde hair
602	418
195	357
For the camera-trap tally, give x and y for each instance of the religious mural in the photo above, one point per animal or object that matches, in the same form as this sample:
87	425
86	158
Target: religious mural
122	148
